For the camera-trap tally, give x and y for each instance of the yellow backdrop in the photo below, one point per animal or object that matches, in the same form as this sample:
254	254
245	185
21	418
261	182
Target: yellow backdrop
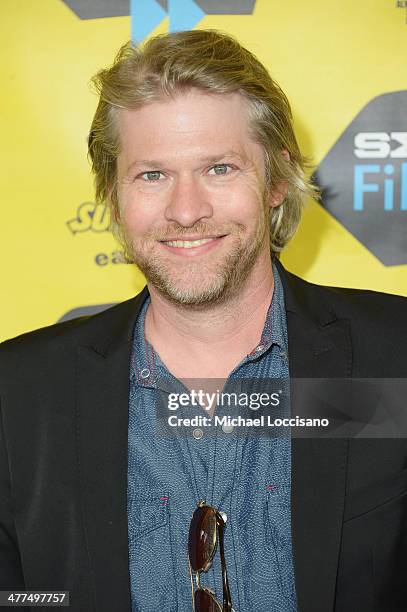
331	58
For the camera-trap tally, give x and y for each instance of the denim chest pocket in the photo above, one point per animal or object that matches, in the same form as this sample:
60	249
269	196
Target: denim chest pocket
146	514
279	538
151	558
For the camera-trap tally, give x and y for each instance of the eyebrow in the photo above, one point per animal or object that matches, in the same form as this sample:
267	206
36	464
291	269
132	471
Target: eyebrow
209	159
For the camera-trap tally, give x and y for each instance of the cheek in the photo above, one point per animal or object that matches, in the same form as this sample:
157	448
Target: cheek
135	222
139	213
246	206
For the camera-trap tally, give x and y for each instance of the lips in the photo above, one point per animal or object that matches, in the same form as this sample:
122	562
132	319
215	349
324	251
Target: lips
188	244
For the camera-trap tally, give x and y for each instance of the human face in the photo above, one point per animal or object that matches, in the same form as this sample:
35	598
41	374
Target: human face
191	196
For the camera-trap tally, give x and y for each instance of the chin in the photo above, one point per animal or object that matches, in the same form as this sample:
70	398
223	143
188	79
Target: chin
192	296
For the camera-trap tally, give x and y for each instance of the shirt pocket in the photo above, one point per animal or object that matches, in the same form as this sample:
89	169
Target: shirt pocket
151	559
146	514
279	537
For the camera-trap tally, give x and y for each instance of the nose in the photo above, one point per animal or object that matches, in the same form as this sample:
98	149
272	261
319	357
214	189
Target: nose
188	202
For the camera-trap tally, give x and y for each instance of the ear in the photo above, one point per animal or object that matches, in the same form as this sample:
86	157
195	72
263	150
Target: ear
278	195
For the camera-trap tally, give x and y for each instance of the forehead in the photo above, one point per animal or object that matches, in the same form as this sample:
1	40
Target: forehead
191	123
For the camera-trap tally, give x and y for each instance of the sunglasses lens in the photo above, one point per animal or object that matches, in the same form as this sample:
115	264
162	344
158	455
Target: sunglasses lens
202	539
204	602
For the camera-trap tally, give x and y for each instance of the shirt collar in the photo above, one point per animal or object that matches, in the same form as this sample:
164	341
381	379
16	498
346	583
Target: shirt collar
275	329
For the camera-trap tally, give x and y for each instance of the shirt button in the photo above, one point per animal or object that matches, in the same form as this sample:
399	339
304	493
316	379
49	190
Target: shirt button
227	428
259	348
197	433
145	373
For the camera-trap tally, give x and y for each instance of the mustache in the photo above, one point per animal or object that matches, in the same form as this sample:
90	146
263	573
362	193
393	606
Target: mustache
201	229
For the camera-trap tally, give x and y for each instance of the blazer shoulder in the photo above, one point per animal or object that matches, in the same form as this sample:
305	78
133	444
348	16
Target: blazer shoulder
77	331
347	301
367	305
323	303
377	322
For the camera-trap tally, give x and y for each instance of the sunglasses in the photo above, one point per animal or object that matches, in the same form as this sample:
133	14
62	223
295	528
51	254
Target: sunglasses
207	525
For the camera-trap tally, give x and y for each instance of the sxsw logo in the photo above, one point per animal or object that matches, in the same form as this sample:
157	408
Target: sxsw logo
364	178
378	146
147	14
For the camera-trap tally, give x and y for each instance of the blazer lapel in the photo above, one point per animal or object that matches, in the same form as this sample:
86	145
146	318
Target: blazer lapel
102	391
319	347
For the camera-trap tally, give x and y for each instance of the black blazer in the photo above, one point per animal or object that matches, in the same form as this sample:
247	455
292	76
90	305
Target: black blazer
63	458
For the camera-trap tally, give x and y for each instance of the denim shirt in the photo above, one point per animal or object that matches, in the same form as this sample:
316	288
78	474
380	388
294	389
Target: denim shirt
247	477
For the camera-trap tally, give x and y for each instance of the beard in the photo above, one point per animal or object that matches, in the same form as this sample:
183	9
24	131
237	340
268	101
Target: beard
202	281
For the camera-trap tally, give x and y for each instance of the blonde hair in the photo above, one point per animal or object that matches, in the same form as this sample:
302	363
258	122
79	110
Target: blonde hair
212	62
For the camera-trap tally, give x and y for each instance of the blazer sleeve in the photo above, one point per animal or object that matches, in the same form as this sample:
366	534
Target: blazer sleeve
11	574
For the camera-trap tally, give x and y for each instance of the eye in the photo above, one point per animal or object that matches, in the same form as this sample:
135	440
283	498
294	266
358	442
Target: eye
151	176
220	169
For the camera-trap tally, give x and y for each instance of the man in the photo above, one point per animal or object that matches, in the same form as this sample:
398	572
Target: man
192	146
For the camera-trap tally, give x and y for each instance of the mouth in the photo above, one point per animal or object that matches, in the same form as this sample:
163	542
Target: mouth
192	245
188	244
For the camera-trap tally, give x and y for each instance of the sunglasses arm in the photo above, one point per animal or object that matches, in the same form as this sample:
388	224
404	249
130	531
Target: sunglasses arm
227	600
